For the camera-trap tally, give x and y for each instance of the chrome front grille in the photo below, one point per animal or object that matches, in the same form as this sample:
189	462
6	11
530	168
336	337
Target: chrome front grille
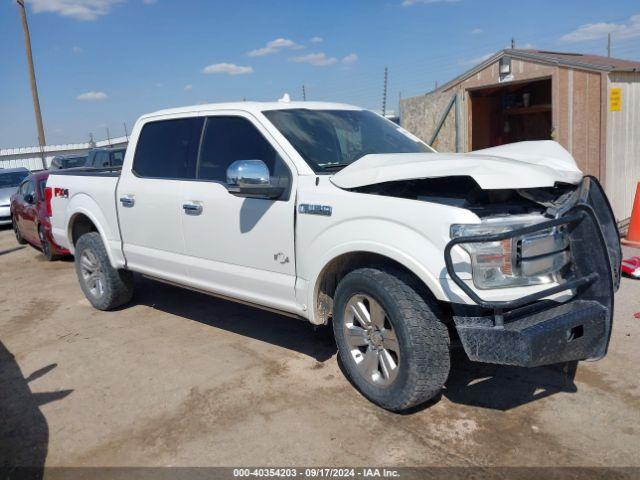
543	253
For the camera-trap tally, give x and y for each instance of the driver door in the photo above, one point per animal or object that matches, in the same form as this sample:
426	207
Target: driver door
239	247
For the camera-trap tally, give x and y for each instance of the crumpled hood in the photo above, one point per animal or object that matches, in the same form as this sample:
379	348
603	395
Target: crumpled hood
517	165
5	194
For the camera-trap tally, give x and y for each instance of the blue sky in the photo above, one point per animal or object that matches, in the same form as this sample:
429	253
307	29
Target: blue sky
101	63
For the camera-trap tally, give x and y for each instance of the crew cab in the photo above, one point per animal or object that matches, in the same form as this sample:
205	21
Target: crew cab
333	214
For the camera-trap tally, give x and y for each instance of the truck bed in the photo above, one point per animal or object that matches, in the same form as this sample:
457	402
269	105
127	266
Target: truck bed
90	192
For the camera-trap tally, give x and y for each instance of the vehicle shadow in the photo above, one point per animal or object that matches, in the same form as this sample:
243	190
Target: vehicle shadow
503	387
250	322
24	433
11	250
497	387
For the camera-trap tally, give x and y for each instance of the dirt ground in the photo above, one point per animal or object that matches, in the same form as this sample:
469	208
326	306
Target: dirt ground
181	379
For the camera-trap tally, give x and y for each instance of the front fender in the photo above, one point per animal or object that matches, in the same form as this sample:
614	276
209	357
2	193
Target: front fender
393	240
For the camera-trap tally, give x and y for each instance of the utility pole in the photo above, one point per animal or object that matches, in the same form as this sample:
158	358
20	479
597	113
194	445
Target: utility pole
126	133
609	44
108	137
384	93
304	93
513	43
32	77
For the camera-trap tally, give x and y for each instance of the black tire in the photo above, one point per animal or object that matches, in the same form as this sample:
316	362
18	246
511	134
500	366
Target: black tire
17	233
116	285
45	246
422	339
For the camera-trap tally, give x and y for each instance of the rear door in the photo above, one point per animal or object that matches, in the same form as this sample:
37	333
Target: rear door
149	197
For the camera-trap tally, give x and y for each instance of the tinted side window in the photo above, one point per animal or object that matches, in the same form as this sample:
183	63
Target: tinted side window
31	187
101	160
227	139
168	149
117	158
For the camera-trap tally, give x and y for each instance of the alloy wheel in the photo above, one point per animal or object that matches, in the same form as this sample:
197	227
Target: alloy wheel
371	339
92	273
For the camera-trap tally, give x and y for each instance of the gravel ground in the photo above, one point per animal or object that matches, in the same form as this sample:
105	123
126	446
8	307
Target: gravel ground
181	379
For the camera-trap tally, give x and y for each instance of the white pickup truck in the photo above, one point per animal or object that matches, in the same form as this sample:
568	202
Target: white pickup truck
331	213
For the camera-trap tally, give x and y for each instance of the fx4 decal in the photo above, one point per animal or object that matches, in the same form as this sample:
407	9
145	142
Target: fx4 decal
61	192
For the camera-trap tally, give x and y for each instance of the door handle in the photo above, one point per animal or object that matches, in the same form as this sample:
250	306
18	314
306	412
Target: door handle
192	208
127	201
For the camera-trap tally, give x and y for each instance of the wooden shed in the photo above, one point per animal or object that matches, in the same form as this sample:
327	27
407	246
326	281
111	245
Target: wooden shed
588	103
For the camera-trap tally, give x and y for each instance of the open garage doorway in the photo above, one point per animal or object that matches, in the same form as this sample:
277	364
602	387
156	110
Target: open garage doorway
511	113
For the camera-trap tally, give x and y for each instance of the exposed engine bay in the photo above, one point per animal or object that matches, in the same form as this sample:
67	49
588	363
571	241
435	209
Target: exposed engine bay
464	192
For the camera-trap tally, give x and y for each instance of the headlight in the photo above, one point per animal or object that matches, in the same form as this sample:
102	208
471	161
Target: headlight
532	259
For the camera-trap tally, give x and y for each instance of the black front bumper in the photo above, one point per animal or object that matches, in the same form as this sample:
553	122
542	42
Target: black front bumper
575	330
530	331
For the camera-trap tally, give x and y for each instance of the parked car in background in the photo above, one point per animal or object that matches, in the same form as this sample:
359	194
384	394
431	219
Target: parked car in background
10	178
105	157
67	161
30	216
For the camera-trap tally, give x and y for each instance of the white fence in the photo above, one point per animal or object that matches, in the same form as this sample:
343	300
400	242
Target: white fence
31	157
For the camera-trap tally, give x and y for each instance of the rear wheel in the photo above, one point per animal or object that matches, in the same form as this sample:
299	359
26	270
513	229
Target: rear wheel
104	286
390	340
16	231
45	245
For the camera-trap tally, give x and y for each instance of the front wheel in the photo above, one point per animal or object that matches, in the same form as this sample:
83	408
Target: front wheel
390	340
104	286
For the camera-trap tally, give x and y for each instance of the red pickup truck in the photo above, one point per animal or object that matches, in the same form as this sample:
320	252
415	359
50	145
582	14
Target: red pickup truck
30	215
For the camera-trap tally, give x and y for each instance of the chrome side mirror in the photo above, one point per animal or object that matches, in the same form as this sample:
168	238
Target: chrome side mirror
251	178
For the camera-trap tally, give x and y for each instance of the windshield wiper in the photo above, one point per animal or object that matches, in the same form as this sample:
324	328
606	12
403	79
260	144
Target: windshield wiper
334	166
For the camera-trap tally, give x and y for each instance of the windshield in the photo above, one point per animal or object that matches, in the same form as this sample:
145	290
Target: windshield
12	179
332	139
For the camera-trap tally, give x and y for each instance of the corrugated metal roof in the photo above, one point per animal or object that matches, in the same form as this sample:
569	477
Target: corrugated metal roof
581	60
566	59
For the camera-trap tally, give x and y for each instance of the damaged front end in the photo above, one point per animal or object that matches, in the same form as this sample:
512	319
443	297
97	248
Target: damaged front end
576	248
543	228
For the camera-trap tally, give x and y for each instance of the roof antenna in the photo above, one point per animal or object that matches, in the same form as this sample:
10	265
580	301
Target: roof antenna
285	98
